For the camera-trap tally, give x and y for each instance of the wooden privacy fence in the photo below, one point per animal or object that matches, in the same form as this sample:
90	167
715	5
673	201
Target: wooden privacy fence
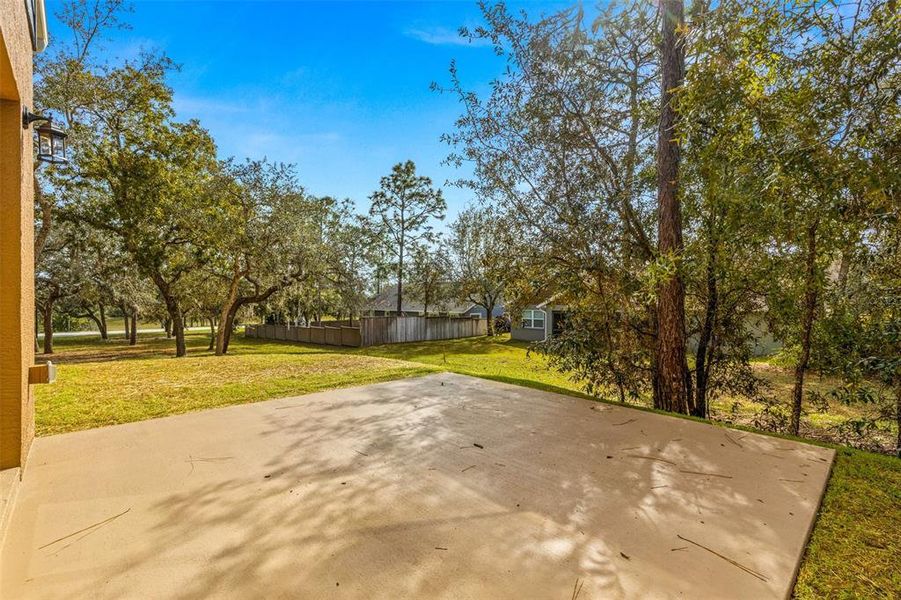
374	331
396	330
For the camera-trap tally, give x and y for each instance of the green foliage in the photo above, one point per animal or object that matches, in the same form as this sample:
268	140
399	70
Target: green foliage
786	120
484	252
430	277
563	146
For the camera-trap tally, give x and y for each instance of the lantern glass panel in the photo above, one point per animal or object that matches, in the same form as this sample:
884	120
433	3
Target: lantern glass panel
59	147
45	144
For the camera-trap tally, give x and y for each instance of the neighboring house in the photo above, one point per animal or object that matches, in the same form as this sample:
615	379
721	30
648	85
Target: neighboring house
384	304
498	311
538	322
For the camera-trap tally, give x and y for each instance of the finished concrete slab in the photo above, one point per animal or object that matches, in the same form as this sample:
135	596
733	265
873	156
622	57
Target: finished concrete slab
441	486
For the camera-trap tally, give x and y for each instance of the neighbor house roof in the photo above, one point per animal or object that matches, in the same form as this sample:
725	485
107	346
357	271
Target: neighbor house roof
387	300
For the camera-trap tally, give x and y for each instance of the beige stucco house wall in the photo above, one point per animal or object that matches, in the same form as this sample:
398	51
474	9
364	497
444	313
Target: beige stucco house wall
16	242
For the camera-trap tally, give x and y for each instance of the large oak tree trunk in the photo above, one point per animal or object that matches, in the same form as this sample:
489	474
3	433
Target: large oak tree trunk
176	318
125	322
47	318
227	306
178	330
99	320
101	324
807	319
229	323
214	338
488	305
672	367
133	332
227	326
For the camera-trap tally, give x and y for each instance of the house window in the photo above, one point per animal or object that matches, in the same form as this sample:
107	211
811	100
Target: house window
533	319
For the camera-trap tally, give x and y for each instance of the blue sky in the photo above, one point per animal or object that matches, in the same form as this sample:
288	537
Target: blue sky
339	88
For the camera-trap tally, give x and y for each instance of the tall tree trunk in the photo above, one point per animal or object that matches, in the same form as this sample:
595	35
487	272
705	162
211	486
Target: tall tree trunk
125	323
230	300
47	318
807	319
489	319
400	281
702	365
176	317
178	331
96	319
229	324
133	331
214	338
101	324
167	326
223	335
672	366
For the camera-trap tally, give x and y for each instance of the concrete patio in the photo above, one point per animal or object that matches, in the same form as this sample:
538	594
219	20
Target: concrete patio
441	486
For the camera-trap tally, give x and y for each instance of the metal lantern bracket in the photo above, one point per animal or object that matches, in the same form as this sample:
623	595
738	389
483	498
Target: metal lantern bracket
29	117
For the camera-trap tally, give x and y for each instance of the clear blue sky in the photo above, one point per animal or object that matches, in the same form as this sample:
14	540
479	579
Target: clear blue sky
339	88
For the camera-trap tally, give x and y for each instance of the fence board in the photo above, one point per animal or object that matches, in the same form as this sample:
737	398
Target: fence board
350	336
333	336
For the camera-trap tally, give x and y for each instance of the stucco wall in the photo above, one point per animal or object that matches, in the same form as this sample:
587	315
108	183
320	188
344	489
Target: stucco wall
16	237
518	332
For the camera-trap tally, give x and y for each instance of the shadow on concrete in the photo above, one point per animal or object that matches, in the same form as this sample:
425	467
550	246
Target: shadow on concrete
448	486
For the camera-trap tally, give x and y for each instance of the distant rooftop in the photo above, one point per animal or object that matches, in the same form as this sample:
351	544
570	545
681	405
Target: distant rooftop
386	300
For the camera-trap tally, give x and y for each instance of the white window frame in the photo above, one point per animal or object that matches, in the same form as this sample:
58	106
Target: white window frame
529	319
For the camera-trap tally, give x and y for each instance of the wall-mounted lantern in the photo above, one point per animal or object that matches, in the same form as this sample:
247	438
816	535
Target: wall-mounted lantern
51	139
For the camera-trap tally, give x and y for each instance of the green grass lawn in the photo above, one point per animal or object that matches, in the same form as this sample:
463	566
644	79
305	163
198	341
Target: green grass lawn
855	550
104	383
501	359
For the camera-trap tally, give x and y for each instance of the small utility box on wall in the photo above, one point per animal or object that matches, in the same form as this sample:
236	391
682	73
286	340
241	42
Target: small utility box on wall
45	373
